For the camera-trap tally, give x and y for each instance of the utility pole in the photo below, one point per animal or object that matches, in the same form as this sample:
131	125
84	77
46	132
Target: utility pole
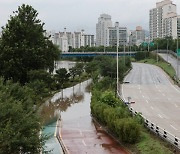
157	53
167	48
177	58
124	54
117	29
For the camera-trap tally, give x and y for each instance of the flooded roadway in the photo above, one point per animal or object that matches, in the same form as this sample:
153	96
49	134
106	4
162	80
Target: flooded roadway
79	133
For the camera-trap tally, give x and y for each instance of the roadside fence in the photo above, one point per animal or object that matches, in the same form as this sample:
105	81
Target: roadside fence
164	134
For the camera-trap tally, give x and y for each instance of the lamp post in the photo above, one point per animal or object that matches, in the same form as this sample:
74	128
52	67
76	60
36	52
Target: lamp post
117	30
177	58
157	53
167	48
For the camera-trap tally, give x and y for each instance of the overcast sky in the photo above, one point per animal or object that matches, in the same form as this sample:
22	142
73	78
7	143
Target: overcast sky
83	14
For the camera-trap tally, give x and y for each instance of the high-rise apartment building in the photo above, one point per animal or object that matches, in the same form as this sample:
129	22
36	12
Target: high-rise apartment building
137	36
104	21
64	40
89	40
163	21
112	35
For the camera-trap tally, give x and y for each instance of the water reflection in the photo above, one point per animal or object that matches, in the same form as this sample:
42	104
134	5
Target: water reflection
50	111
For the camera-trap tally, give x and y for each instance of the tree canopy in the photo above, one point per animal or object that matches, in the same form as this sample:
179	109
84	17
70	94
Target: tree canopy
23	46
19	126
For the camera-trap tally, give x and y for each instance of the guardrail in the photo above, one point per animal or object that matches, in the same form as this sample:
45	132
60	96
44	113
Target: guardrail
164	134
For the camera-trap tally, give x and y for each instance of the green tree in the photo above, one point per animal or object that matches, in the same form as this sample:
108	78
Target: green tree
19	126
23	46
62	77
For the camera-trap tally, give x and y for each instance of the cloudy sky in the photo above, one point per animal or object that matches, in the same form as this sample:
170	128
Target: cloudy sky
83	14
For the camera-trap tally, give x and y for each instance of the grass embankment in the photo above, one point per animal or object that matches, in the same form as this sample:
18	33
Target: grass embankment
149	143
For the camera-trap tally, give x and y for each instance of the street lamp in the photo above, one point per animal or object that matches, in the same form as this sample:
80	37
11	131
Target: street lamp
157	53
167	48
177	58
117	30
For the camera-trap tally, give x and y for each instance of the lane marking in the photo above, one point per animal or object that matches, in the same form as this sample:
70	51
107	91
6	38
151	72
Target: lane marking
80	132
160	116
152	108
84	143
56	128
143	96
147	101
175	105
169	99
173	127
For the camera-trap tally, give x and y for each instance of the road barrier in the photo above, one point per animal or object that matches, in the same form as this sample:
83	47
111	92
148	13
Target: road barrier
154	127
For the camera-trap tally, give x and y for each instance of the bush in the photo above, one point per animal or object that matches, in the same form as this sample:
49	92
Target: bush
127	130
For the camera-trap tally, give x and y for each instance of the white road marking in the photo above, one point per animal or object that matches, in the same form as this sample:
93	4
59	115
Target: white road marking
143	96
80	132
147	101
169	99
175	88
160	116
173	127
84	143
56	128
152	108
175	105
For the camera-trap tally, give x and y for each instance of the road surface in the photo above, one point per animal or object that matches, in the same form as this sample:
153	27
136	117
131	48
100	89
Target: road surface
155	96
80	134
172	60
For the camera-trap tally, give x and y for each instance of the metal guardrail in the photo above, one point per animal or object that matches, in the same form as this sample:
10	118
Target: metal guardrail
164	134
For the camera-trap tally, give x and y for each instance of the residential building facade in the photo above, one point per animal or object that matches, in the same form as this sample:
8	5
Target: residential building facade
64	40
112	35
163	20
137	36
104	22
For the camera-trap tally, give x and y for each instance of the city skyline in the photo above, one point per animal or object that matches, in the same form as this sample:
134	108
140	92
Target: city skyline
82	14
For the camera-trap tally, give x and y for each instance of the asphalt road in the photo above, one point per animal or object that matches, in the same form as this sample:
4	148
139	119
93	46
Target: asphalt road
172	60
155	96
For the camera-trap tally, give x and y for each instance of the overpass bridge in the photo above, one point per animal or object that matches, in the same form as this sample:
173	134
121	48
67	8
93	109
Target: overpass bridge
93	54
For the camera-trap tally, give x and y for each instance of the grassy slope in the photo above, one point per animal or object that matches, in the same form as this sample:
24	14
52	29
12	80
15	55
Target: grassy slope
152	144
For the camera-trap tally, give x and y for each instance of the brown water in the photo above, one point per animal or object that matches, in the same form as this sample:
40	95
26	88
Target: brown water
79	133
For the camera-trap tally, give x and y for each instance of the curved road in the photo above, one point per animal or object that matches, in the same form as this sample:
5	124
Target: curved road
155	96
172	60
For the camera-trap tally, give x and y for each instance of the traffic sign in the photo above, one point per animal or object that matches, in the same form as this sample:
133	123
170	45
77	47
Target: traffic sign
151	44
178	52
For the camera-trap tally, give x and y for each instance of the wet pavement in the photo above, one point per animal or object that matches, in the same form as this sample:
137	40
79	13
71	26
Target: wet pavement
79	133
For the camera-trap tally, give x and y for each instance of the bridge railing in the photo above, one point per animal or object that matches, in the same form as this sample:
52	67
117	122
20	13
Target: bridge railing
164	134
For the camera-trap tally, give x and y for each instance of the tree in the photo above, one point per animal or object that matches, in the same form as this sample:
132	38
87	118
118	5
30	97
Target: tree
62	77
19	126
23	46
72	72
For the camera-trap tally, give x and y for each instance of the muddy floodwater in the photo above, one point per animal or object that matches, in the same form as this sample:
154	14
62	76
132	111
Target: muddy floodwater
79	133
